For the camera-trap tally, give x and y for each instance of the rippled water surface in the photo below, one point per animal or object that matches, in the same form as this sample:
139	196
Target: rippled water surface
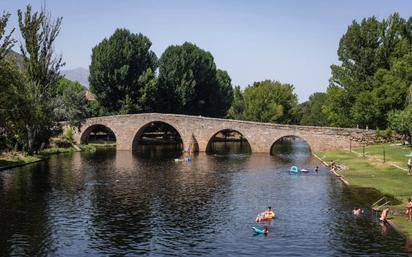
117	203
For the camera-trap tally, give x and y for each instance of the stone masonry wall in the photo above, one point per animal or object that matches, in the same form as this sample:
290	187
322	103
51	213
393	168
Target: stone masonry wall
260	136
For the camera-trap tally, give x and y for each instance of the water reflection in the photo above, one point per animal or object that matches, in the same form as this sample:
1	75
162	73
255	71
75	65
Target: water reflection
118	203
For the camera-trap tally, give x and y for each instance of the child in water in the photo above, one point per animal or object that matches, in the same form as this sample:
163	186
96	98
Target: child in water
265	230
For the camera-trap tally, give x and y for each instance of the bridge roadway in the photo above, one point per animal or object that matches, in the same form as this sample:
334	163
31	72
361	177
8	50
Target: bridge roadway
198	130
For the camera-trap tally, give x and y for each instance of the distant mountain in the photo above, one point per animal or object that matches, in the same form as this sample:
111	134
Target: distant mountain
80	75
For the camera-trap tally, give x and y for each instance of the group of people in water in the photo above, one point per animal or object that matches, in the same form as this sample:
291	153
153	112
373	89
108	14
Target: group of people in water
385	212
267	215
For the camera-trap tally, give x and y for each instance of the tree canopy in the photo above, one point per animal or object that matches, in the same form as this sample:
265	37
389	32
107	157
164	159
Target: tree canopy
265	101
118	70
189	83
371	79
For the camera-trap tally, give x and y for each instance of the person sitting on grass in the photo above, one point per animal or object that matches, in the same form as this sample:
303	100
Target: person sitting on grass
333	166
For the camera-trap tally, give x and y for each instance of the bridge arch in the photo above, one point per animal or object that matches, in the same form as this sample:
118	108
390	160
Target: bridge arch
228	135
303	143
94	129
158	132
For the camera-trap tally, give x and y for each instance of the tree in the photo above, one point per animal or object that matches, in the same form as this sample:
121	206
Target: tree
149	91
225	98
310	112
365	86
6	42
400	121
190	84
71	104
13	108
118	64
237	109
42	72
270	101
65	84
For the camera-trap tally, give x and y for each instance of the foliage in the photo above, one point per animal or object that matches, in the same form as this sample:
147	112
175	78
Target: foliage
190	84
400	121
310	112
42	72
6	42
95	109
71	104
269	101
13	107
64	84
374	75
149	91
225	98
237	109
118	71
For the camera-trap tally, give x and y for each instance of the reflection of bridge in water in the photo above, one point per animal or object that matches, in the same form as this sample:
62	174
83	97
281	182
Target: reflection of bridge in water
196	132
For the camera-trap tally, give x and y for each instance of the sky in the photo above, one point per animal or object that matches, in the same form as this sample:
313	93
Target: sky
289	41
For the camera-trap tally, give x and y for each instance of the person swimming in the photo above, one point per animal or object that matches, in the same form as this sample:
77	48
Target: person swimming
265	230
357	211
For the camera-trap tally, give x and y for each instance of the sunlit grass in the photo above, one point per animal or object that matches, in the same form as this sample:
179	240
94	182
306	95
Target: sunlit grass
373	172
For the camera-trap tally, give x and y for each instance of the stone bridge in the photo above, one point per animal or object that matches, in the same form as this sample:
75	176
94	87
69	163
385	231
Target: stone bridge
198	129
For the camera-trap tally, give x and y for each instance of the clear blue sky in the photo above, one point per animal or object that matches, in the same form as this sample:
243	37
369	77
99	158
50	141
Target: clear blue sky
290	41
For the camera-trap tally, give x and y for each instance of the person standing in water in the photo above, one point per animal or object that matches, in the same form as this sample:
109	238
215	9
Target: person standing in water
384	215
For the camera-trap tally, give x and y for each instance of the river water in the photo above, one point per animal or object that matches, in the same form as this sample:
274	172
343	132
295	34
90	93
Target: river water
112	203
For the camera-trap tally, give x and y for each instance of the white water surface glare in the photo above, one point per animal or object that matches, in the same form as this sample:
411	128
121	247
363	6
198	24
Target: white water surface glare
118	203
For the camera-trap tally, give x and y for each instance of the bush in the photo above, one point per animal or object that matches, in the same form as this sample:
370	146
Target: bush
68	134
61	142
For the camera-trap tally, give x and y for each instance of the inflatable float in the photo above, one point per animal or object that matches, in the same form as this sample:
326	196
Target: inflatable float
294	170
258	230
187	159
265	217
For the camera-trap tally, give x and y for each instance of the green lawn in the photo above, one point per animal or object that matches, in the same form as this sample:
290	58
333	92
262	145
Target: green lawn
393	152
374	173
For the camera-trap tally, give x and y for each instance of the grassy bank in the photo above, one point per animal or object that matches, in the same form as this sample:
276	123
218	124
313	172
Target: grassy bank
15	159
388	177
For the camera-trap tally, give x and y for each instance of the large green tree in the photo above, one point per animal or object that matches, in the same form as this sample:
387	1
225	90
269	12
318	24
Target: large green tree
270	101
117	70
370	80
189	83
41	70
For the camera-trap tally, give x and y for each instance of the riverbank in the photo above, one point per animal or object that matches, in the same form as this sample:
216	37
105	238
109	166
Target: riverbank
382	167
14	159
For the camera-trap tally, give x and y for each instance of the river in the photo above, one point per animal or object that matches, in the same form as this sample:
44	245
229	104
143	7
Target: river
112	203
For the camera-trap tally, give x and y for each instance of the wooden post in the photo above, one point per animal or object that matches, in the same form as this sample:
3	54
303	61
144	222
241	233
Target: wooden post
384	155
363	150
